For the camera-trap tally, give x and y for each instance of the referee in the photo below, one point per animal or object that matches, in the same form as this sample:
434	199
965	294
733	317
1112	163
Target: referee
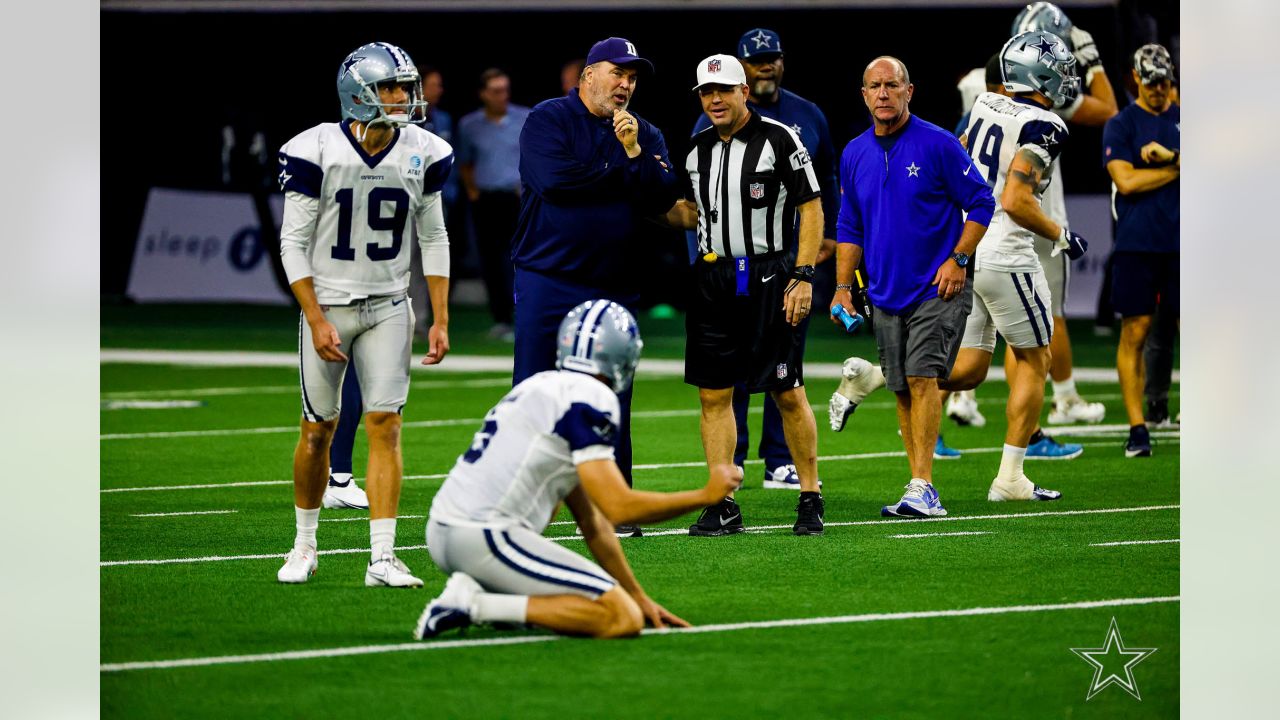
749	177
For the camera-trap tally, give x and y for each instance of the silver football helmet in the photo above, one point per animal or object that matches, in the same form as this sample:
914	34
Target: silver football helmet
361	73
1044	16
600	337
1039	61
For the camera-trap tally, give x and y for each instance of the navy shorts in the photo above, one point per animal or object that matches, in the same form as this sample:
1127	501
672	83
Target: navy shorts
1140	281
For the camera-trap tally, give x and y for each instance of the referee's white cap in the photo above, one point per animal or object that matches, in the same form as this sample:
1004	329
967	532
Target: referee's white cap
721	70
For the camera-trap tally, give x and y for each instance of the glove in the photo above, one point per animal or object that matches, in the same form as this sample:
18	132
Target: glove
1086	50
1071	243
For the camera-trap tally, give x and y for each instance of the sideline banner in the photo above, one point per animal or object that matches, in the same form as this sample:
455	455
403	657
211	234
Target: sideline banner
199	246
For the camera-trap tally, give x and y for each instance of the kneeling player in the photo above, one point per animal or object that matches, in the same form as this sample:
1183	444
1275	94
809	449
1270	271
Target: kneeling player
552	439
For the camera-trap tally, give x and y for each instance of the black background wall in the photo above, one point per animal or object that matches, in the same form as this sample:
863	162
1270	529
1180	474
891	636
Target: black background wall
172	81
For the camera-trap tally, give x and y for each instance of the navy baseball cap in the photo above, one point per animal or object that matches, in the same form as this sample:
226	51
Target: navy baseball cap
759	43
618	51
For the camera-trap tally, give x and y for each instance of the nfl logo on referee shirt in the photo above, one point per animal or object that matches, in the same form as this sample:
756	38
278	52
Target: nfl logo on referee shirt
757	191
713	65
782	370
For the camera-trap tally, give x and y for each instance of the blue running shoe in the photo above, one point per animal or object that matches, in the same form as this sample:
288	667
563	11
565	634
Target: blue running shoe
942	452
1139	443
1046	448
452	609
920	500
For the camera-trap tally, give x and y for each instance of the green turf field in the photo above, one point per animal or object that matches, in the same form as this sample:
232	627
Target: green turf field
859	649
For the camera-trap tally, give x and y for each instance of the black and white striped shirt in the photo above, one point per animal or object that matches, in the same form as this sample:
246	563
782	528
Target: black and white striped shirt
747	189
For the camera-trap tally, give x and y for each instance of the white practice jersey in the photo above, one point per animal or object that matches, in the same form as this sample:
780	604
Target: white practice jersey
347	213
1000	127
523	461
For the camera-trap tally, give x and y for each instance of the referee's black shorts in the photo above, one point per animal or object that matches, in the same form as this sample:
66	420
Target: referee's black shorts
735	338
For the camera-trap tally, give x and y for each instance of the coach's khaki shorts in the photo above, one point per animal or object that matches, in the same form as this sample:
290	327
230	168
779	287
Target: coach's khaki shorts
515	561
1014	303
377	334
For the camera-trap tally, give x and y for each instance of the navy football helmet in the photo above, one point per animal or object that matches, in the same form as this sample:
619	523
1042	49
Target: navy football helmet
1038	61
361	73
600	337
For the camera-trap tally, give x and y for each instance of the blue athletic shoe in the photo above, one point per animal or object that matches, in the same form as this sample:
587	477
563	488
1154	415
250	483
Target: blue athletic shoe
451	609
920	500
942	452
1139	443
1046	448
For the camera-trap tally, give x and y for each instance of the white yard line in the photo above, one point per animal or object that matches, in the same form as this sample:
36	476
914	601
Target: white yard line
289	389
724	627
1135	542
206	486
933	535
679	531
365	518
193	512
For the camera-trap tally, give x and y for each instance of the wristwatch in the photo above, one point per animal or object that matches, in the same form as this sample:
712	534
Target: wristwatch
803	272
962	259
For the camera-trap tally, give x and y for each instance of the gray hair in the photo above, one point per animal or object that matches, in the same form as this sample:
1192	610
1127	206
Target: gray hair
902	68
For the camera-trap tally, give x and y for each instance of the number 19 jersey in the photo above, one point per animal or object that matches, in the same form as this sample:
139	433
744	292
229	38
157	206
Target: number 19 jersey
347	211
1000	127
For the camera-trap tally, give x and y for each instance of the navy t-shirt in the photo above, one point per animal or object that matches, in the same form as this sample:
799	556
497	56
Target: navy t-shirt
1147	221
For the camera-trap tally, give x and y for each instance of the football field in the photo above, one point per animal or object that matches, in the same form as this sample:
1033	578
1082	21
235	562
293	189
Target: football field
971	615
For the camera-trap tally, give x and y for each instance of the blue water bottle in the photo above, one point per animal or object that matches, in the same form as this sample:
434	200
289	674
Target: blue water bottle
851	322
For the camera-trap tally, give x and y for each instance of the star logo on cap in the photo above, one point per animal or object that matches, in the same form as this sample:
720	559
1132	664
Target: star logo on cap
913	170
762	40
1045	47
796	127
1113	660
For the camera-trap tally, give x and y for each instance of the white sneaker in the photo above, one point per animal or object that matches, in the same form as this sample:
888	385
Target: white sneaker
783	477
859	379
451	609
340	495
962	408
1075	409
1020	489
299	565
390	571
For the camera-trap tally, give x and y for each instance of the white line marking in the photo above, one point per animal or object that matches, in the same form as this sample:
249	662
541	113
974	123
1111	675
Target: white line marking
479	363
365	518
678	531
1071	430
290	389
150	404
931	535
195	512
1135	542
724	627
208	486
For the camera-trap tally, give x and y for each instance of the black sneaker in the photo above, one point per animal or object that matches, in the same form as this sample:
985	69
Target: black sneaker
723	518
809	514
1157	412
1139	444
628	531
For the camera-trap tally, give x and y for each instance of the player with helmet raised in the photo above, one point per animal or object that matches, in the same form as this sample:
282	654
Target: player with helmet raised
351	189
552	439
1015	141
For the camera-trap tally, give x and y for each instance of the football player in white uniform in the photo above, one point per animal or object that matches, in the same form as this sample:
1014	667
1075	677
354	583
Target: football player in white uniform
1015	141
350	190
552	440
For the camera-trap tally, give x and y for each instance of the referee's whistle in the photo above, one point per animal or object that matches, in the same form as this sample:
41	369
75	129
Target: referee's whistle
851	322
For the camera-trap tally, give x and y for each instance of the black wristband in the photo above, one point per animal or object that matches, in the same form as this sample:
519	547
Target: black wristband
805	273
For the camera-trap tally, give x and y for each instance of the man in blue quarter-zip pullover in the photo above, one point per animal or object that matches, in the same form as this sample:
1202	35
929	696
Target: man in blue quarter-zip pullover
589	171
904	184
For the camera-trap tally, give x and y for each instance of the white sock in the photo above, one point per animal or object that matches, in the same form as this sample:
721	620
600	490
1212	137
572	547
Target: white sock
1065	390
306	522
382	537
492	607
1011	462
926	482
340	478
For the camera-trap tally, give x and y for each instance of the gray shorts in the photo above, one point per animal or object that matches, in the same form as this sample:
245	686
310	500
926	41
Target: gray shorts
923	341
1057	273
376	333
515	561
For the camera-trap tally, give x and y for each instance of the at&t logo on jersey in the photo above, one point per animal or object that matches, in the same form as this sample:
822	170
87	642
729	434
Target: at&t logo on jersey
415	166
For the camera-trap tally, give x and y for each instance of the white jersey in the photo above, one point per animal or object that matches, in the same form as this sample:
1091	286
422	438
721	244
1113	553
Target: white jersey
523	461
347	212
1000	127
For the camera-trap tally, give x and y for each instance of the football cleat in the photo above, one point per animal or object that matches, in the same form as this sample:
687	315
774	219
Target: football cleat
389	571
1139	443
723	518
340	495
859	379
627	531
299	565
1158	414
783	477
942	452
1075	409
1020	489
449	610
962	408
809	515
920	500
1046	448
